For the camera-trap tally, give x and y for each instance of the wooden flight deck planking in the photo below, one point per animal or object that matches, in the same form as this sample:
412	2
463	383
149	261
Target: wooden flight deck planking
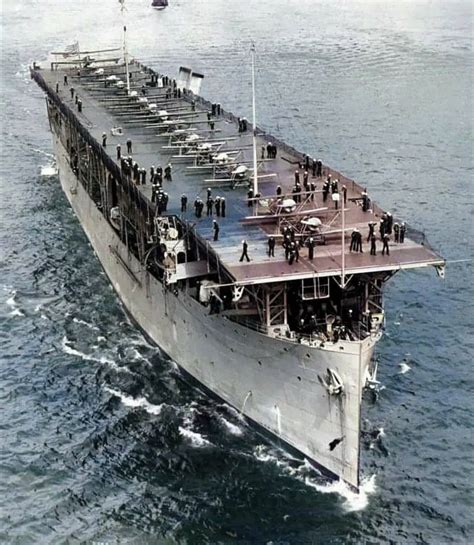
147	151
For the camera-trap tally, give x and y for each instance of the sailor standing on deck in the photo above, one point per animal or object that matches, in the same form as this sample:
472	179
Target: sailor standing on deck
223	207
215	226
129	146
402	232
244	251
385	248
168	172
217	204
372	225
184	203
373	244
209	204
396	232
311	244
104	139
271	247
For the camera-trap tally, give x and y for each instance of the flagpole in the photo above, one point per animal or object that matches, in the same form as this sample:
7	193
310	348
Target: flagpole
125	50
255	175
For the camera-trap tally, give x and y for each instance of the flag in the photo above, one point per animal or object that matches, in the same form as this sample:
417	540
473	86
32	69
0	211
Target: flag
72	49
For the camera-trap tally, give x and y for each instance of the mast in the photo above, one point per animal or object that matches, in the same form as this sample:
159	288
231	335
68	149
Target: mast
125	50
255	176
343	254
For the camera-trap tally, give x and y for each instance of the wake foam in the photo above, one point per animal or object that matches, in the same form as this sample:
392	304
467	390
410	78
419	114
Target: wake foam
231	428
136	402
65	344
404	368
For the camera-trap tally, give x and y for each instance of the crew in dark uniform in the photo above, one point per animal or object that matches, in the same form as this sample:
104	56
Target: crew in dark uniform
249	198
223	207
306	162
168	172
305	180
119	151
297	176
217	204
104	139
286	245
389	223
314	166
358	242
57	87
310	244
71	90
271	247
353	246
382	228
244	251
65	79
215	226
386	239
278	190
196	207
402	232
209	204
184	203
129	146
325	190
372	225
312	188
373	244
344	194
319	170
396	232
79	105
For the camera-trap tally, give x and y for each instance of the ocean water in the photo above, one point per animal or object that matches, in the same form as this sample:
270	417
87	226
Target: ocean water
102	439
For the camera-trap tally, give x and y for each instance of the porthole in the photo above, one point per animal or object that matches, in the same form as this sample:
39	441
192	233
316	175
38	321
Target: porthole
299	378
259	362
308	355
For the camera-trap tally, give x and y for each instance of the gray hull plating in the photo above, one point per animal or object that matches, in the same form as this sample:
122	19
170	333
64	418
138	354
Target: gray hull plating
274	382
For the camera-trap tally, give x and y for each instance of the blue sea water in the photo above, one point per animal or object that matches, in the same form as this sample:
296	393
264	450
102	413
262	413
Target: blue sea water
102	439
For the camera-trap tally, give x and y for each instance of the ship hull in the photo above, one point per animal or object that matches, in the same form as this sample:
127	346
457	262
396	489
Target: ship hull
273	382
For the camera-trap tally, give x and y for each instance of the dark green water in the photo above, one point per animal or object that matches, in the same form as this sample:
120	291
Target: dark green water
102	440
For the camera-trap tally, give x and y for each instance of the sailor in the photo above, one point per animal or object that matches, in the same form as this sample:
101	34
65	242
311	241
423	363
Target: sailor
271	247
389	223
65	79
306	162
334	186
71	90
325	190
213	108
310	244
274	151
215	226
143	90
57	87
365	201
297	176
196	207
344	194
209	204
129	146
166	198
263	153
217	204
292	234
335	199
104	139
168	172
249	198
212	124
294	253
244	124
79	105
193	105
154	192
269	150
353	246
119	151
223	207
314	165
286	245
184	203
143	175
240	125
319	171
159	173
373	244
152	172
358	241
208	116
385	247
396	232
298	192
209	192
278	190
402	232
382	228
312	188
244	251
305	180
372	225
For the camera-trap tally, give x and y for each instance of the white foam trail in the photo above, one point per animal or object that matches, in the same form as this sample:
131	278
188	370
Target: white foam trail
232	428
351	500
16	312
48	171
101	339
11	300
194	437
87	357
404	368
136	402
87	324
38	307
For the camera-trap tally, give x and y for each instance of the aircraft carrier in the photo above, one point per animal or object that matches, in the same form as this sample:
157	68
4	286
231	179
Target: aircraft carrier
287	339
